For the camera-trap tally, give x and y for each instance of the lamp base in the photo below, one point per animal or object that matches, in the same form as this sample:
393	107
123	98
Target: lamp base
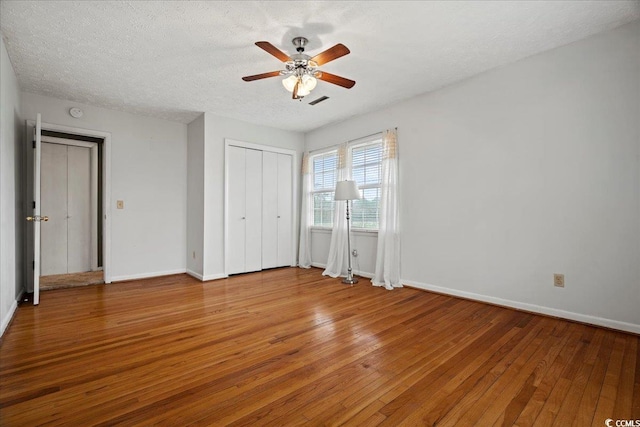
348	281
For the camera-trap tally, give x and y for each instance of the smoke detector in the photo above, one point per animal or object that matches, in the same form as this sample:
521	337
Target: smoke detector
76	112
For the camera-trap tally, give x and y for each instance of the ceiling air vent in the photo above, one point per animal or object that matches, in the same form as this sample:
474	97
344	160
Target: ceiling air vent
319	100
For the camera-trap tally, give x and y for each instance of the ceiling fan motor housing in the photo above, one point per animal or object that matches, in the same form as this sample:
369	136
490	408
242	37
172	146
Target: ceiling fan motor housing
300	43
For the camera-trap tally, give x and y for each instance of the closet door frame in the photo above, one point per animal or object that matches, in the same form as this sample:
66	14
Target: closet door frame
294	190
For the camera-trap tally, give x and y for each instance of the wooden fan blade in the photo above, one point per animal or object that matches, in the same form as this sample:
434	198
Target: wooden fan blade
330	54
336	80
261	76
269	48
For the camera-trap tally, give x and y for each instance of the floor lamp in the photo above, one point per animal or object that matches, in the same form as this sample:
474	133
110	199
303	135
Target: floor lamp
348	190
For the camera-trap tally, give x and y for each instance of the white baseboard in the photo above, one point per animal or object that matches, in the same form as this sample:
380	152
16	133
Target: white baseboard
147	275
554	312
364	274
196	275
357	273
214	277
8	317
206	278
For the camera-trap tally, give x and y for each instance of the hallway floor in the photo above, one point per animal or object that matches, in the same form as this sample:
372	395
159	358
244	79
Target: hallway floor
59	281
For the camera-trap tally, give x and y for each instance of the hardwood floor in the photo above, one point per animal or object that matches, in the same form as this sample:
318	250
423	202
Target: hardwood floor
291	347
59	281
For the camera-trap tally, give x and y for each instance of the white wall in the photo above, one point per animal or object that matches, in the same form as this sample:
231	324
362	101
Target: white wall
195	197
216	130
148	172
11	221
522	172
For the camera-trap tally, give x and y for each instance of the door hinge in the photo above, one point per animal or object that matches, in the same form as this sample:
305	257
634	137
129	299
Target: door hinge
34	144
34	204
33	265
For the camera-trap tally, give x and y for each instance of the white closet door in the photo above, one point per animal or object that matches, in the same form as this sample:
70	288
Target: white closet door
78	209
269	209
253	192
259	204
236	210
285	220
53	185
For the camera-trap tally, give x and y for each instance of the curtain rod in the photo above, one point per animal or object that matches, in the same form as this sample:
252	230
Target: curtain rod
367	136
349	142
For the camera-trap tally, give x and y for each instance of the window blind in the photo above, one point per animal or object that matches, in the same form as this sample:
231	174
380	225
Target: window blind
324	183
366	170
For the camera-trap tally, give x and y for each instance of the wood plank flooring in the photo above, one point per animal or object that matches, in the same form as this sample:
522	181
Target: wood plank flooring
291	347
71	280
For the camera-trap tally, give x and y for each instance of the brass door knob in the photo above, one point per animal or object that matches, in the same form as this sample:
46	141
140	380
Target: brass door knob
38	218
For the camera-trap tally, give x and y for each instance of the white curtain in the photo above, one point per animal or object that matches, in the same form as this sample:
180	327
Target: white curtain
338	247
304	251
387	272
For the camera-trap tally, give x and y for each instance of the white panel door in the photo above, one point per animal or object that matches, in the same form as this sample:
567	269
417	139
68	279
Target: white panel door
269	209
285	220
236	210
53	190
65	245
78	209
37	150
253	202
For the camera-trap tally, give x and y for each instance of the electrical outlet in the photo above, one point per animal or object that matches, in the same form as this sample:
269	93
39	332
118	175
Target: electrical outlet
354	252
558	280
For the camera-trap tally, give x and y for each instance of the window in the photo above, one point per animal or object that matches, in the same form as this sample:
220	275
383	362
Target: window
366	170
324	184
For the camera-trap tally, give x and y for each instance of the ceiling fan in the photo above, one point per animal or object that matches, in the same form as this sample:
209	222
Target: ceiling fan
302	70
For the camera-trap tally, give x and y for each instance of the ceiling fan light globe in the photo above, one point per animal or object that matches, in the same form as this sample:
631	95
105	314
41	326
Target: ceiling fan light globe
309	82
303	91
289	83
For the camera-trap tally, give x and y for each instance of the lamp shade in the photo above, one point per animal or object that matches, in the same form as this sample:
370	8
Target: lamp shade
347	190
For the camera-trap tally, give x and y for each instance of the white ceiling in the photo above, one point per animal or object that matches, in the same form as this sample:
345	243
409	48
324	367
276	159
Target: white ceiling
174	60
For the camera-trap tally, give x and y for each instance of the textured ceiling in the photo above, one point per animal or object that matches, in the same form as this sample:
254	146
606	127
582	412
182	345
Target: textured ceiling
174	60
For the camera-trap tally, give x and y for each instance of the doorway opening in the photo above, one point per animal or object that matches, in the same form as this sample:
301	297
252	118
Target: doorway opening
76	190
71	193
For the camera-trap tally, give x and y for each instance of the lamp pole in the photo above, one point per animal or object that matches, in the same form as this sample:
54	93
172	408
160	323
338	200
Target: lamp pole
349	279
